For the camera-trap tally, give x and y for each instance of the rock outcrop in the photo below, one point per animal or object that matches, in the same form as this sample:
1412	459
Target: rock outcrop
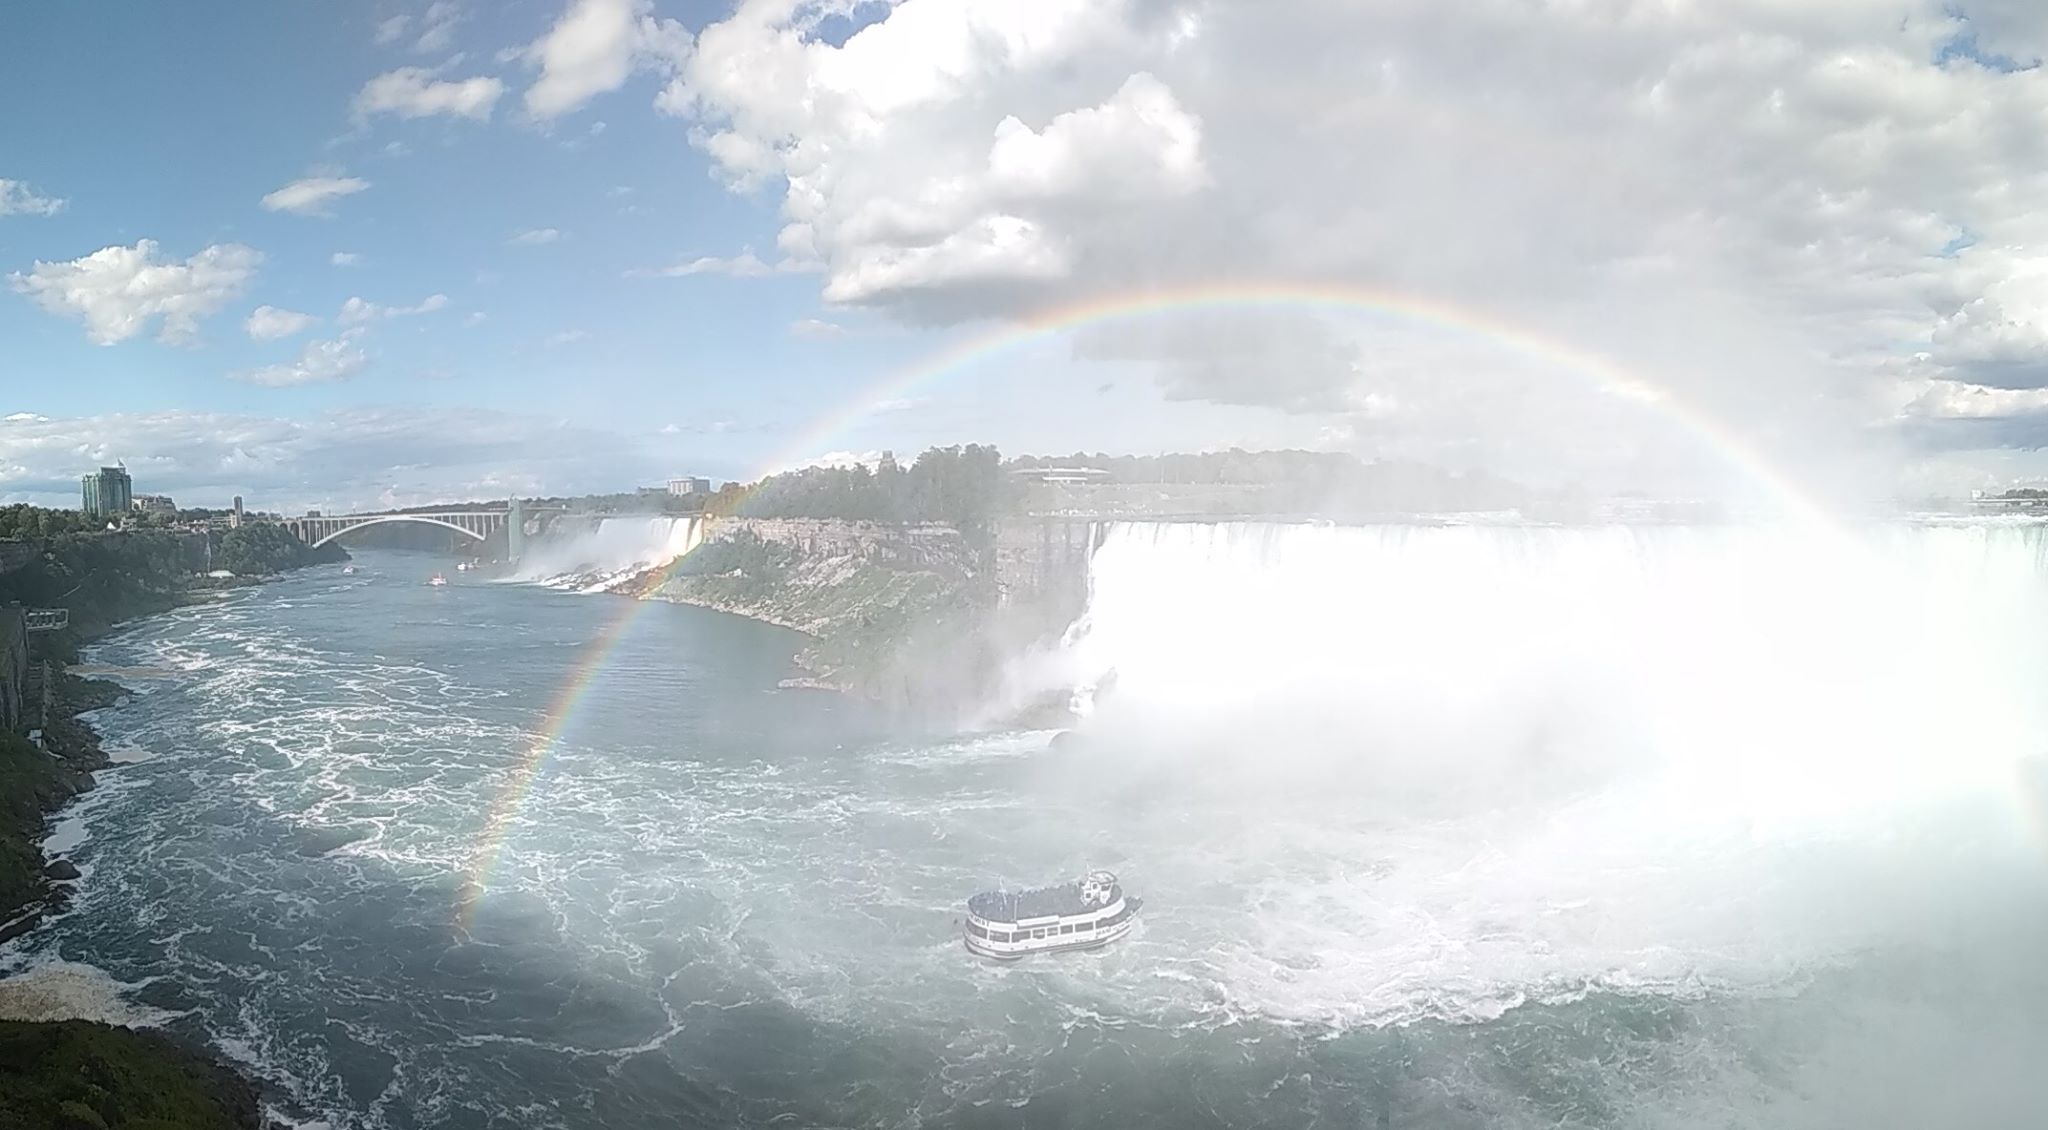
919	617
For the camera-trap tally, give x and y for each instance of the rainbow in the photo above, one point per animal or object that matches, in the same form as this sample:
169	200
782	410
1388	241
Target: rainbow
510	800
1603	374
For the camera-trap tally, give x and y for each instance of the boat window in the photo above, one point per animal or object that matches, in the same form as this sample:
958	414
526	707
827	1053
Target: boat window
1067	929
975	928
994	937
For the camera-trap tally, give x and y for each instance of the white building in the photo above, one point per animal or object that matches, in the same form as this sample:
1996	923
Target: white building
689	486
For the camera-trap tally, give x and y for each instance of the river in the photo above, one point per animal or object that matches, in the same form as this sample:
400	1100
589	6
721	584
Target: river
719	902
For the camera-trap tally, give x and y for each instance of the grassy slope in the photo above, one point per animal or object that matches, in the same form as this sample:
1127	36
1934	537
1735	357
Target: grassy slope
77	1075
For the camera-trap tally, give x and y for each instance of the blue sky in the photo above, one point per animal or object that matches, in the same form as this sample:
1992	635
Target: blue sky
534	233
216	106
676	235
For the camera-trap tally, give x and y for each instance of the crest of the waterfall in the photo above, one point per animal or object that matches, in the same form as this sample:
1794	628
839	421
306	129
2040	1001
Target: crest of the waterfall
1764	677
598	555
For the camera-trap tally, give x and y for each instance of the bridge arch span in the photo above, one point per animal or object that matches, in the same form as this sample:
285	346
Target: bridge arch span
418	519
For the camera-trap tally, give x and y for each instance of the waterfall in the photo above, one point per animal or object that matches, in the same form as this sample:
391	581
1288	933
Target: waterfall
1460	764
1768	676
595	556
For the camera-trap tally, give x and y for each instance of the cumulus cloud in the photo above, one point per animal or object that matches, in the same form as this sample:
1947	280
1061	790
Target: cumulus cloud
534	237
1790	217
413	92
335	360
17	199
357	311
594	48
360	459
566	337
268	323
345	259
312	196
968	146
118	291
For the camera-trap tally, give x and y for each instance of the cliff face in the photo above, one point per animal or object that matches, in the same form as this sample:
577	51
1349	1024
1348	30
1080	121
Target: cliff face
920	618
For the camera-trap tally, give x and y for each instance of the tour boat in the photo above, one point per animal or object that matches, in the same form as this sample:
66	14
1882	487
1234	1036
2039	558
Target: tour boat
437	579
1089	912
348	570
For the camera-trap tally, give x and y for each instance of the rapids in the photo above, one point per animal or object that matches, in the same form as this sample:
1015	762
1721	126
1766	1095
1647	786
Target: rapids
1445	827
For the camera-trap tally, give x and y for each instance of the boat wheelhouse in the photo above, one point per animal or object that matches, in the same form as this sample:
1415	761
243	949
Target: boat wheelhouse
1089	912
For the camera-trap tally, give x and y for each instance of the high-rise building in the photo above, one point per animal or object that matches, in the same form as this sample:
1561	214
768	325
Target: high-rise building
155	504
689	486
235	519
108	492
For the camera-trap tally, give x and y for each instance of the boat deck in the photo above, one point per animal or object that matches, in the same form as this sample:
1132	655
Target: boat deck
1037	902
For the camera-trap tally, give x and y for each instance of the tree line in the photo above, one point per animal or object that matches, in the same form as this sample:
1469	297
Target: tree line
962	485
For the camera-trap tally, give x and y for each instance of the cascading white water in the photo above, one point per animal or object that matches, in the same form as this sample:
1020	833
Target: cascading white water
1467	759
600	556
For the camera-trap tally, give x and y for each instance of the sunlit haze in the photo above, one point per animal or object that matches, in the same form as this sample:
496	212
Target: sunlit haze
1024	564
385	253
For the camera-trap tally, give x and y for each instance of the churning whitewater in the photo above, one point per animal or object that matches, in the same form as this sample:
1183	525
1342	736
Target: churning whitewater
1445	827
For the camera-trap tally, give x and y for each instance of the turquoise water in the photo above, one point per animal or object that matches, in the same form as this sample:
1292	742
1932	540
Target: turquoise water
726	903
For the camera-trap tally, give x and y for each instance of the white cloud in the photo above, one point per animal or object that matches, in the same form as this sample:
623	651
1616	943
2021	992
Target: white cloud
816	328
17	199
268	323
437	29
413	92
357	311
312	195
745	265
839	459
961	145
1790	215
345	259
475	318
357	459
117	291
534	237
436	25
1961	400
319	362
566	337
594	48
1139	145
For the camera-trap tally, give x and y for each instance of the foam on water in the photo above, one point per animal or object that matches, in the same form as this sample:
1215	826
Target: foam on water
727	903
1450	769
68	990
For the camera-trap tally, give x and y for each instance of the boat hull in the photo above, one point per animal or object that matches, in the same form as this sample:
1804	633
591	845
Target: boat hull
982	949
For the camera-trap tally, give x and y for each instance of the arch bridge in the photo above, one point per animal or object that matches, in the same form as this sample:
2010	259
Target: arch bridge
477	524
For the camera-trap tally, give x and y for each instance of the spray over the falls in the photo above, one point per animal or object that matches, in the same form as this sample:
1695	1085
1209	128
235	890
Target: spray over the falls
597	555
1495	761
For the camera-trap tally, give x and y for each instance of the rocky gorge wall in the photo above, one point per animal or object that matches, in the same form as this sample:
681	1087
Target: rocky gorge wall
919	617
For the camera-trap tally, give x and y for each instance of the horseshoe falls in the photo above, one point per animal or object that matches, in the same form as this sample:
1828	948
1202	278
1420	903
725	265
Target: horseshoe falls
1677	827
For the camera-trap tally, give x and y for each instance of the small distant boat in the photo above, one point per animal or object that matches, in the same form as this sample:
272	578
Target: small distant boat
348	570
437	579
1091	911
463	566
